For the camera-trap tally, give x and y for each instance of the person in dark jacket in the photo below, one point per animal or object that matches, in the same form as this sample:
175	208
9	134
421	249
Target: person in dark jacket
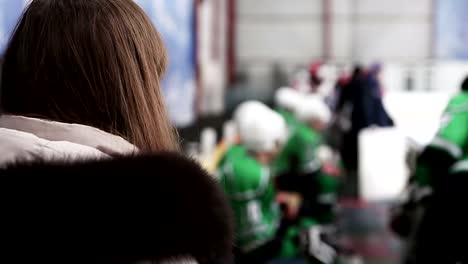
359	107
376	112
89	162
350	116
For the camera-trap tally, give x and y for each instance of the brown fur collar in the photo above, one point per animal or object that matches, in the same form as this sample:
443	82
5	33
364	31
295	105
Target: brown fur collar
129	209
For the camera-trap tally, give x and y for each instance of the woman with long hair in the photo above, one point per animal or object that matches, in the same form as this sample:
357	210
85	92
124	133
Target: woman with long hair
85	137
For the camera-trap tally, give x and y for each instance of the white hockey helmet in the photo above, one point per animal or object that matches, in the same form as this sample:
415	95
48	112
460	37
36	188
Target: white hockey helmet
287	97
249	109
262	131
282	127
313	107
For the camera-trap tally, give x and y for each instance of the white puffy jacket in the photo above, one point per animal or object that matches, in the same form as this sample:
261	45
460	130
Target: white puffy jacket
26	139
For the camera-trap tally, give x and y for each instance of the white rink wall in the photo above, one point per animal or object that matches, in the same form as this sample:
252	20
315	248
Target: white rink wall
383	173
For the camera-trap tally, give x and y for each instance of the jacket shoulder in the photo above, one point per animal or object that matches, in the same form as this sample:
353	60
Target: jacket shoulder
18	146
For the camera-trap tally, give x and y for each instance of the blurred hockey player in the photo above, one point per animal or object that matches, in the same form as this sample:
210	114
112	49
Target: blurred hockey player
248	182
441	235
300	169
286	100
313	111
449	146
315	114
299	165
238	149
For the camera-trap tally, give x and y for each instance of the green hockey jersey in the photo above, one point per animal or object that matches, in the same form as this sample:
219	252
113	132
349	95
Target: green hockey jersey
289	118
299	153
326	199
299	169
290	245
449	145
234	152
250	190
303	239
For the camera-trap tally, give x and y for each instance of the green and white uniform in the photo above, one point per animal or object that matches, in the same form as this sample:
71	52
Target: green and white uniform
299	153
299	157
300	170
290	247
304	239
234	152
326	199
449	145
249	188
289	117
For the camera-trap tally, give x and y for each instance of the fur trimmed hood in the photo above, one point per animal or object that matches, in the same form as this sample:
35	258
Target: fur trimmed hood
157	207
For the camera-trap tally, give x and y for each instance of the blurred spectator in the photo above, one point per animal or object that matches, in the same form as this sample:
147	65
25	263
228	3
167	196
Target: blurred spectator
351	117
82	103
343	80
360	106
378	114
340	120
315	78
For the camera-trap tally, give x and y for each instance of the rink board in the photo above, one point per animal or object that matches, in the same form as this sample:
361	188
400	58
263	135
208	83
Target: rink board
383	173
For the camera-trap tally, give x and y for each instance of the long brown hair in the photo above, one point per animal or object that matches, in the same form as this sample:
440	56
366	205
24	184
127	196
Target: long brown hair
92	62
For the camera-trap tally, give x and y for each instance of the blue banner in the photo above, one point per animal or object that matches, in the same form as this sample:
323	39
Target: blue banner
10	12
452	29
175	21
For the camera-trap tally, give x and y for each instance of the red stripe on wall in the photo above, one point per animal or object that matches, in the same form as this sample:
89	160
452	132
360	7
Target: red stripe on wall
231	41
327	30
